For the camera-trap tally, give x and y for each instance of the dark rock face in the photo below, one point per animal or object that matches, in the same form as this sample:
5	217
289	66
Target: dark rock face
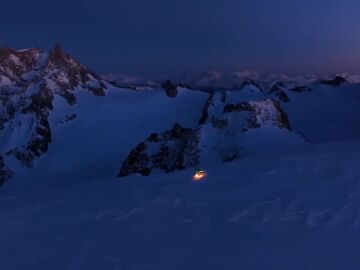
338	80
170	88
68	118
39	143
282	117
300	89
205	115
277	89
282	96
40	103
240	107
261	112
172	150
29	81
98	91
5	173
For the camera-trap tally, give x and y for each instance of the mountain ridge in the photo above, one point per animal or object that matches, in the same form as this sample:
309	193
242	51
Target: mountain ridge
32	81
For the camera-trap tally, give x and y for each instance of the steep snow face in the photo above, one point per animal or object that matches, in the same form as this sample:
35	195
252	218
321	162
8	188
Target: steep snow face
325	113
29	81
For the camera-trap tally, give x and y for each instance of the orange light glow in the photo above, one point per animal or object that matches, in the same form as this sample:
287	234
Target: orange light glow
198	176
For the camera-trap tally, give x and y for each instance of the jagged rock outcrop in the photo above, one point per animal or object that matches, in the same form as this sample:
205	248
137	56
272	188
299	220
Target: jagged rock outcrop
170	88
5	173
68	118
171	150
215	100
67	74
259	113
300	89
336	81
278	89
29	81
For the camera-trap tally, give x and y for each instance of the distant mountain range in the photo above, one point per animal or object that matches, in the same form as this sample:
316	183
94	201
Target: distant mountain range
215	80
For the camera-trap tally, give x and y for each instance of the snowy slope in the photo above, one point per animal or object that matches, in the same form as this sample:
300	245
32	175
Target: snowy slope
330	113
295	210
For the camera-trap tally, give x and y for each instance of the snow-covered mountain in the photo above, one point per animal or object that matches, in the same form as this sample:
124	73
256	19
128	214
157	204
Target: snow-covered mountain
29	81
281	157
216	80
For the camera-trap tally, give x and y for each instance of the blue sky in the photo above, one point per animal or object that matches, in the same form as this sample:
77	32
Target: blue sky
168	37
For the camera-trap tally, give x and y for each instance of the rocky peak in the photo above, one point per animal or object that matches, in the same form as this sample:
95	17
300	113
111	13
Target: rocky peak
65	74
336	81
170	88
57	55
58	59
278	90
63	63
300	89
250	82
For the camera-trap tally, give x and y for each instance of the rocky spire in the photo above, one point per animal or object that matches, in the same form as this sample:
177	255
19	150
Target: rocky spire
5	52
57	55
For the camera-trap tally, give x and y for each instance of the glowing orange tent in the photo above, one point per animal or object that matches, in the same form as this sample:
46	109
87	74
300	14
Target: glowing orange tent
199	175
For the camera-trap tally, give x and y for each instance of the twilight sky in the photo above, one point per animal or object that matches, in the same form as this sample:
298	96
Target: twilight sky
166	37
